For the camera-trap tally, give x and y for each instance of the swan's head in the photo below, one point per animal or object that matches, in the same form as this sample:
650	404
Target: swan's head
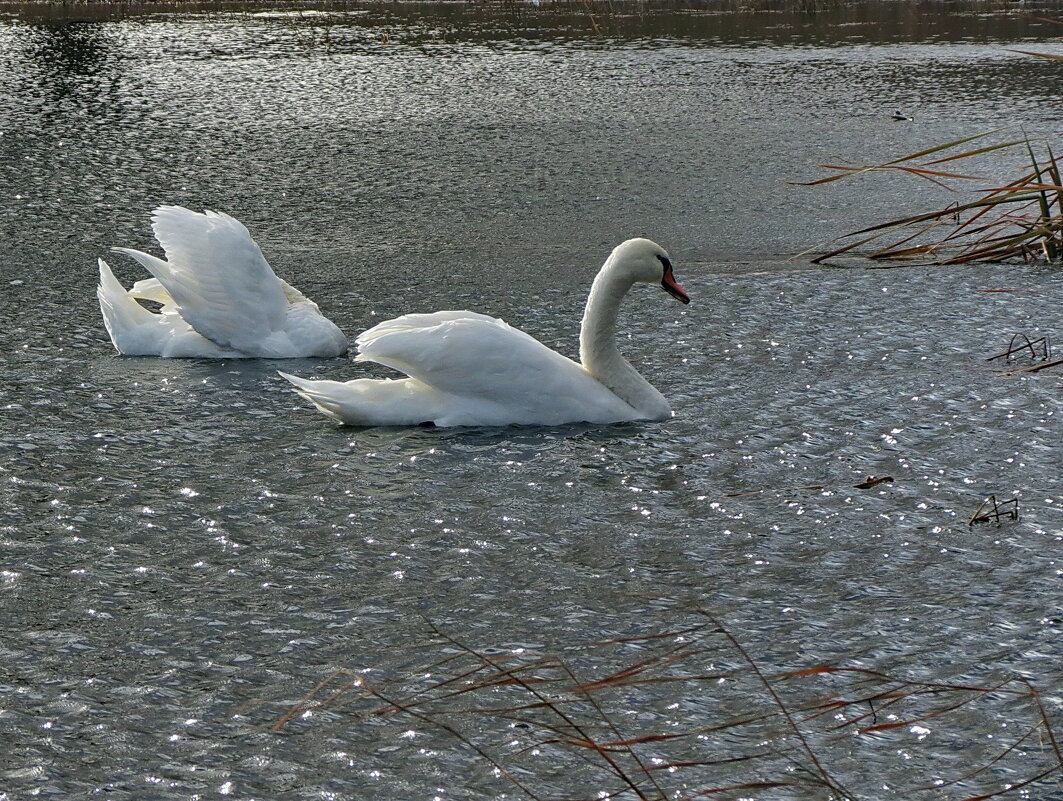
646	262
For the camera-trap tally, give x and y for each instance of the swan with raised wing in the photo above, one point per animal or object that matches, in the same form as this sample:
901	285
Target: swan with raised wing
469	369
220	298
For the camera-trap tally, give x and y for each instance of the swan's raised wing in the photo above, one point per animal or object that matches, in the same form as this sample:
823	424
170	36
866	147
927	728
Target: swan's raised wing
487	361
222	284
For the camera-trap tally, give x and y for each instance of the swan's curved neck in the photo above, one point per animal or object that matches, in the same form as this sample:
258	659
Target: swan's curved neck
598	351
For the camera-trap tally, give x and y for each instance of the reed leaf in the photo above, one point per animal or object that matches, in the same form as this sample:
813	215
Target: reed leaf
1021	219
980	151
947	146
1038	55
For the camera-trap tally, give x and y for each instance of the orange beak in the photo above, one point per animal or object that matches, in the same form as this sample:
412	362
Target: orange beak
671	286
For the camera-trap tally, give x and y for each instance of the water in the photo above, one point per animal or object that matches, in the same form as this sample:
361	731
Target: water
188	549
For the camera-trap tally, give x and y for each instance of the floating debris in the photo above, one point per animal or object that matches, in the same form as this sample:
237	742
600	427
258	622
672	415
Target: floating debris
871	481
1040	349
1034	368
992	510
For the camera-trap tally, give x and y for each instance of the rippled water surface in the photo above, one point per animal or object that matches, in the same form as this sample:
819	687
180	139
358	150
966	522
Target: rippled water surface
186	548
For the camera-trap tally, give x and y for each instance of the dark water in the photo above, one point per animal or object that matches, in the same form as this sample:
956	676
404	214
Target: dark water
186	549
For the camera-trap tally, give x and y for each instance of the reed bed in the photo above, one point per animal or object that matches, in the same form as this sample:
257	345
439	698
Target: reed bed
689	714
1022	219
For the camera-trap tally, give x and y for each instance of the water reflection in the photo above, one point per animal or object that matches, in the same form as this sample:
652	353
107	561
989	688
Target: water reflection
72	48
68	55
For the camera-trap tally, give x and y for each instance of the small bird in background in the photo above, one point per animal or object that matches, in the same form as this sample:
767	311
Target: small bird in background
900	117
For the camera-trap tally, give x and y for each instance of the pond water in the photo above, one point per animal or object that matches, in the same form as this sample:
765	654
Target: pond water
186	549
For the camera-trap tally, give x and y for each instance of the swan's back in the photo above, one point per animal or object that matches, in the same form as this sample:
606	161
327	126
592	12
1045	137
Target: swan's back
481	371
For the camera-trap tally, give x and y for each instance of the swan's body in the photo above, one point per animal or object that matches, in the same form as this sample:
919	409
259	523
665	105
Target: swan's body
470	369
220	298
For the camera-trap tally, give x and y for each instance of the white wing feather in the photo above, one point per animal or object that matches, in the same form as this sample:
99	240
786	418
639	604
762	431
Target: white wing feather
221	282
473	356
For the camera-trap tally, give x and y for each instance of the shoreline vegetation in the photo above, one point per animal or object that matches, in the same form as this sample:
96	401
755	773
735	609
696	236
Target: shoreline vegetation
980	19
333	25
1014	219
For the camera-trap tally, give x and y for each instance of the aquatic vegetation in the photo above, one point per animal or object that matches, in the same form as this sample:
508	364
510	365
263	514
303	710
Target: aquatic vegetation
1022	219
689	713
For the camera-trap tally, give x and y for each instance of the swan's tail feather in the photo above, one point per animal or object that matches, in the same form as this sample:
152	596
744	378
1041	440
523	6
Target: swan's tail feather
317	392
122	315
109	286
371	401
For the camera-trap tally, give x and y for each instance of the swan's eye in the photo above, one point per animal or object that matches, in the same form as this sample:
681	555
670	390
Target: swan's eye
664	260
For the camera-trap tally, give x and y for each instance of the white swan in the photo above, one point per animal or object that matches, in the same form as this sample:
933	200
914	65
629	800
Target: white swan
470	369
220	298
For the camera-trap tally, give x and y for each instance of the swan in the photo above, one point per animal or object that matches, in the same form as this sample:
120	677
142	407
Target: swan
220	298
469	369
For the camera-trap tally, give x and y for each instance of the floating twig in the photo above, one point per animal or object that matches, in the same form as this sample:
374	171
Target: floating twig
1034	368
1026	344
992	510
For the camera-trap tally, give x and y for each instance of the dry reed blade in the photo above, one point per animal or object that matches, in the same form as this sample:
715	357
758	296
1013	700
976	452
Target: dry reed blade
1053	173
897	724
630	751
843	249
1038	55
413	697
983	768
976	237
483	754
666	635
625	674
1012	787
824	775
847	172
980	151
1036	695
1044	204
617	770
947	146
304	704
562	710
